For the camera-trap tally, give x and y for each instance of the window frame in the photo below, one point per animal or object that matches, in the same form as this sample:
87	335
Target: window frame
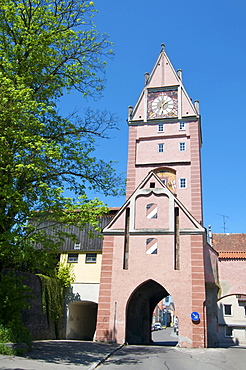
72	255
182	126
154	248
87	258
181	180
160	125
147	207
224	309
232	332
161	148
182	146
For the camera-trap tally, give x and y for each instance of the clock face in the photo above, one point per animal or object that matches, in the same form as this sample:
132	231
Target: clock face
162	104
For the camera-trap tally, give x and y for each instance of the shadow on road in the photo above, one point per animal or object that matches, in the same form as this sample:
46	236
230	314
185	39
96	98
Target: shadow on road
69	351
133	355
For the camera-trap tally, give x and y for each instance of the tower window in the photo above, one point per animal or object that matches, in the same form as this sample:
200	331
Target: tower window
182	183
151	210
182	147
182	125
161	127
160	148
151	246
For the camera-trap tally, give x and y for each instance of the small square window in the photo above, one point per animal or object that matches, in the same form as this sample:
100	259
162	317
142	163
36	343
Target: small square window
152	185
182	125
77	246
182	147
91	258
161	127
228	331
160	148
73	258
182	183
227	310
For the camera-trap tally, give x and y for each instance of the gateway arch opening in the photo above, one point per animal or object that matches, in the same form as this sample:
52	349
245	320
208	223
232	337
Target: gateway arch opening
139	311
81	323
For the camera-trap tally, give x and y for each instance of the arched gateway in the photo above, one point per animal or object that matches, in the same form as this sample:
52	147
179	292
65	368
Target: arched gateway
81	323
157	236
139	311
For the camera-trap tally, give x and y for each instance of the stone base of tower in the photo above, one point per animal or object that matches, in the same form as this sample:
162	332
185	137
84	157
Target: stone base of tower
128	296
194	337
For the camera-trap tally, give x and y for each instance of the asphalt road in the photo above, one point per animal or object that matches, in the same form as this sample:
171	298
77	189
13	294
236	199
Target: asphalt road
76	355
170	357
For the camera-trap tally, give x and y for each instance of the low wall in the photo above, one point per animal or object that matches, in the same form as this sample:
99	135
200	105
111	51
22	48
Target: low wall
34	318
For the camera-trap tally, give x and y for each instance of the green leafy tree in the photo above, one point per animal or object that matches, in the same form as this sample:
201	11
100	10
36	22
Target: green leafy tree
48	47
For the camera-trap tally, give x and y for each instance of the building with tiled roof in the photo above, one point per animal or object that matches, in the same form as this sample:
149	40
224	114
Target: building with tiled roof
231	302
230	245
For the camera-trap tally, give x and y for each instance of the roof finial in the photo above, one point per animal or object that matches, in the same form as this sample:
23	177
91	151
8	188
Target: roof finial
162	47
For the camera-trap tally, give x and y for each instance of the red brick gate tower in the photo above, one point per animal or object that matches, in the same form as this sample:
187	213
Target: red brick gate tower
153	247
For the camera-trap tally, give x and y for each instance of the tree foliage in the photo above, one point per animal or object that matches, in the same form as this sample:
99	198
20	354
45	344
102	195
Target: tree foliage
48	47
14	296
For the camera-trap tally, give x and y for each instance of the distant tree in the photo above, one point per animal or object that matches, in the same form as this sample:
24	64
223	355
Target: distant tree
48	47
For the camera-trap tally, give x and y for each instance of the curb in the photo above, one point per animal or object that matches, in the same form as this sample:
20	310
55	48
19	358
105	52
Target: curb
99	362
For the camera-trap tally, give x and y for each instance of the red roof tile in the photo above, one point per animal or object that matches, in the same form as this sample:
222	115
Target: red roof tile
232	255
229	242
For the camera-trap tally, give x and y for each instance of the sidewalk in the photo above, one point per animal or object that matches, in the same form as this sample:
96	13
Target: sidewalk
60	354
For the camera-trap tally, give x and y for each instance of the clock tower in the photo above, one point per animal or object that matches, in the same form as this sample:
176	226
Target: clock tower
154	246
165	136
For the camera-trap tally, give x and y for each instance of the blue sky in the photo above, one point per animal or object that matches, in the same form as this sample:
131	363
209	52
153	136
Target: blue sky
207	40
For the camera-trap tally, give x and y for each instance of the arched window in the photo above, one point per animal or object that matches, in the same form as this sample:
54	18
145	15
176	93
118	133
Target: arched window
168	177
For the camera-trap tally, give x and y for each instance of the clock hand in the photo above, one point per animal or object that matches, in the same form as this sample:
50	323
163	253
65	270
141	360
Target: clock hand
163	105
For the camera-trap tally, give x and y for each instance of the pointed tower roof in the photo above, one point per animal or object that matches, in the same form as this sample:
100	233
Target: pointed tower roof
163	77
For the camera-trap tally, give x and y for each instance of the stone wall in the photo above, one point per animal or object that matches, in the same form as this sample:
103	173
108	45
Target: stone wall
34	318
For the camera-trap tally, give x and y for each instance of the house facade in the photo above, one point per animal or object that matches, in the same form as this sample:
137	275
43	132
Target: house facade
84	254
231	303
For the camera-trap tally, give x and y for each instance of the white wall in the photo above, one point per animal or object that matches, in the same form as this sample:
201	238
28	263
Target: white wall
237	321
